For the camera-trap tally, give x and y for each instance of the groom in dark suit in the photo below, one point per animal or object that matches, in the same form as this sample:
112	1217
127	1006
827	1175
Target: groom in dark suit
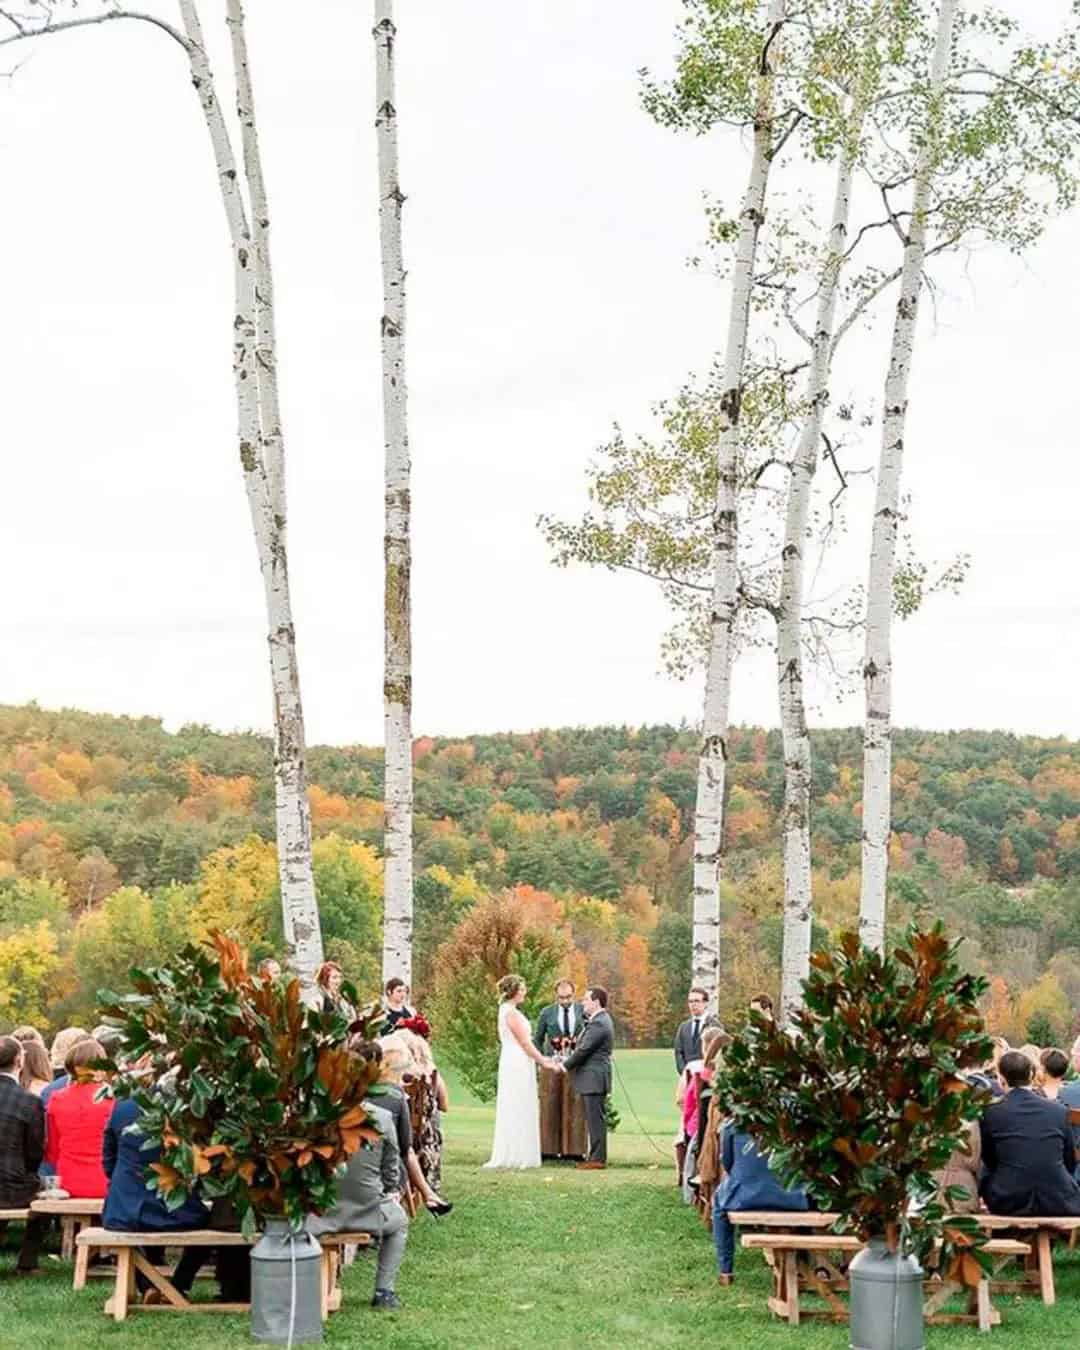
590	1064
559	1021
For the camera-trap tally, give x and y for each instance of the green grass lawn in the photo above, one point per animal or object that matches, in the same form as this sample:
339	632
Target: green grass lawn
548	1259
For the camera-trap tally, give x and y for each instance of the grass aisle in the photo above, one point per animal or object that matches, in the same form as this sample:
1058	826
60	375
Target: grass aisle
538	1260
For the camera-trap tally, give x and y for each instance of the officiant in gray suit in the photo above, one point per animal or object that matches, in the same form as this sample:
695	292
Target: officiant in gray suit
590	1065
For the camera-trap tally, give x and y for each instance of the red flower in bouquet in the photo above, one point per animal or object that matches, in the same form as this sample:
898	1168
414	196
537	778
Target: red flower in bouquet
418	1024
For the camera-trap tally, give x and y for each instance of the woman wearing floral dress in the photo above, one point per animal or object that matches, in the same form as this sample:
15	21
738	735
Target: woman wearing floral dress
430	1100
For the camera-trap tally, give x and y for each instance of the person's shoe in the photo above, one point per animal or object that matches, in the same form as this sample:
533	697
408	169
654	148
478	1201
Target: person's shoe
592	1167
440	1209
385	1298
725	1280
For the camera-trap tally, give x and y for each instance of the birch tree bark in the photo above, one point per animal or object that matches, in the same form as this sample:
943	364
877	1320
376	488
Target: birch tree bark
397	674
712	762
254	371
877	663
795	818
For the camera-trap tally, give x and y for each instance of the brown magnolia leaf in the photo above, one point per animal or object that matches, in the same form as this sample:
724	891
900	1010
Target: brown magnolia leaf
247	1171
971	1273
844	1148
169	1179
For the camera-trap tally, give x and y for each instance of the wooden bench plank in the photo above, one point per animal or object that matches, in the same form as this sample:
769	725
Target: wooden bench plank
76	1208
196	1237
811	1242
775	1218
14	1215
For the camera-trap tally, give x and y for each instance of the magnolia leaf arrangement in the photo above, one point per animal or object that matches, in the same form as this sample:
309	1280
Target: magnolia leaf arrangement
862	1098
250	1093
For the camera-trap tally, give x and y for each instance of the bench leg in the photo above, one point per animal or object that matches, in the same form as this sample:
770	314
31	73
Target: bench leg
82	1262
324	1283
791	1279
982	1305
125	1279
67	1237
1046	1268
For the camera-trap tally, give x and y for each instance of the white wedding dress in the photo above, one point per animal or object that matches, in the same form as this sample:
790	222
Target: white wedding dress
517	1109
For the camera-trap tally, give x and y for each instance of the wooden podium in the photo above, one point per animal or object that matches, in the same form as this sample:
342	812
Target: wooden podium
562	1117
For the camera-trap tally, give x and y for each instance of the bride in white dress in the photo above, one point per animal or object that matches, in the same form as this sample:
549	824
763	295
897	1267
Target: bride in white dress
517	1108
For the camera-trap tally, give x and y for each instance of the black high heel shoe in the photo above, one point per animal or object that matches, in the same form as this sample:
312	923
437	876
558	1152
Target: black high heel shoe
440	1209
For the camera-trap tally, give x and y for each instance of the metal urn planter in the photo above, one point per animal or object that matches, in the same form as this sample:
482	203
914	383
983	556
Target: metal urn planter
286	1307
886	1300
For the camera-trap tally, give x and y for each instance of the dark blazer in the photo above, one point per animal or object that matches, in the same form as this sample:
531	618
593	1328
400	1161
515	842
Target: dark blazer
129	1206
590	1063
750	1182
22	1144
1028	1154
549	1026
372	1171
391	1099
1069	1094
687	1045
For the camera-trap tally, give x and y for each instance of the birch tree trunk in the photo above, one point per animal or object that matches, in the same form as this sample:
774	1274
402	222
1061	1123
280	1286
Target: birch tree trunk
300	913
795	819
712	762
877	662
397	674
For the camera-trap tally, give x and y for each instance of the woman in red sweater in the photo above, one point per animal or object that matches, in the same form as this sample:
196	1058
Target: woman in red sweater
75	1126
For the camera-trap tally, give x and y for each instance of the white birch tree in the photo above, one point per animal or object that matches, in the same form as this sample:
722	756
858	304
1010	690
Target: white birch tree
795	818
259	436
994	144
712	760
397	617
877	665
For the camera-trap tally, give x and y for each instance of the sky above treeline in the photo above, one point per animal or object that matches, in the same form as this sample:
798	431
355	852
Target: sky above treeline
548	227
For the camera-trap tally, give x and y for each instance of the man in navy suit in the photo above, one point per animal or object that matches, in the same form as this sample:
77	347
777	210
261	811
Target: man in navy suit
1027	1148
131	1208
22	1144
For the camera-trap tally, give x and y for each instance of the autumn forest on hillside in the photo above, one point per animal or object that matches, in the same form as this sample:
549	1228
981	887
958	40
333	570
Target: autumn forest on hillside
119	842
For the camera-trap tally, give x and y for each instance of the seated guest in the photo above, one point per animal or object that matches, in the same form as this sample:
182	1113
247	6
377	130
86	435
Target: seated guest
397	1009
1053	1066
330	977
1069	1096
75	1126
36	1071
394	1062
749	1184
22	1142
28	1033
269	968
432	1100
1027	1148
63	1042
701	1074
131	1208
962	1171
368	1203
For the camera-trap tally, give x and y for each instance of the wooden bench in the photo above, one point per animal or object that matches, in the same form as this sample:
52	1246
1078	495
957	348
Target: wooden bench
129	1259
334	1245
74	1215
801	1261
1039	1265
14	1215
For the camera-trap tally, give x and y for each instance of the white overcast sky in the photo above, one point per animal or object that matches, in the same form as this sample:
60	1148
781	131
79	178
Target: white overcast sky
547	228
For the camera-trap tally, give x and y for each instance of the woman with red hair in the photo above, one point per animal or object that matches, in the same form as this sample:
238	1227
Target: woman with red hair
330	977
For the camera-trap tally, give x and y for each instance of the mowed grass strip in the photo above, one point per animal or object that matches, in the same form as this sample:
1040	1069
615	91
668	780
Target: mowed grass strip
546	1259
